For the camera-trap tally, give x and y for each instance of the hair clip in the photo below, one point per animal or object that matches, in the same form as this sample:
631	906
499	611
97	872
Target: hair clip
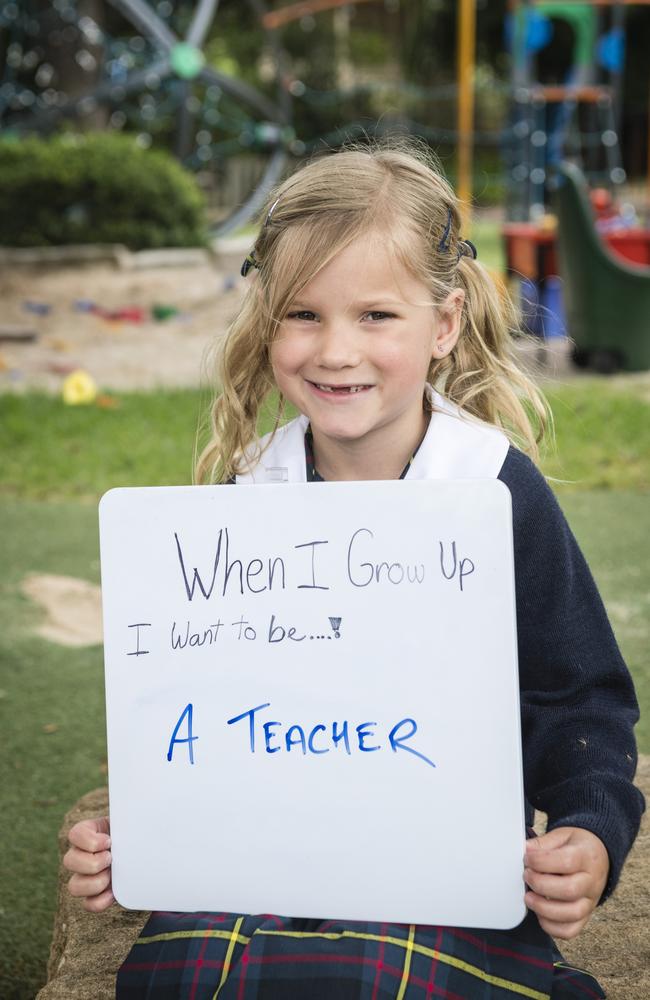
249	263
251	260
444	242
271	211
467	249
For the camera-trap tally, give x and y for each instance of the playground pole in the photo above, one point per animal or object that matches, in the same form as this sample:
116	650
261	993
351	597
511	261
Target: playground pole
648	165
466	64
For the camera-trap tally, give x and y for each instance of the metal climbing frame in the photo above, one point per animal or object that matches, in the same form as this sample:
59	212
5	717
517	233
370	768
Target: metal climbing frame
546	122
173	58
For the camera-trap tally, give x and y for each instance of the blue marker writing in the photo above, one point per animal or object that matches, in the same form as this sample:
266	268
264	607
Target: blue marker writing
339	735
398	743
189	739
251	723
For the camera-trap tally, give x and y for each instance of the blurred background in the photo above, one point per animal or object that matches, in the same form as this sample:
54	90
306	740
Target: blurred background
138	142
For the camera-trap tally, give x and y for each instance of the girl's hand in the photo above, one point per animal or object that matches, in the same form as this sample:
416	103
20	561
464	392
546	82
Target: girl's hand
89	858
566	871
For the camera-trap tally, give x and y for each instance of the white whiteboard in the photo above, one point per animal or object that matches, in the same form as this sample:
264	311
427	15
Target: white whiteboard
289	794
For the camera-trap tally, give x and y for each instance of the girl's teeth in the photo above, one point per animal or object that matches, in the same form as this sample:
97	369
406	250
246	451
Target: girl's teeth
352	388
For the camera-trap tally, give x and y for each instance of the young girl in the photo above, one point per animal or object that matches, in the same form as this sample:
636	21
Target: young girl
369	313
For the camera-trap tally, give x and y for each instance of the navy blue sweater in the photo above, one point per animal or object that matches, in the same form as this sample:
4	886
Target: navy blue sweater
578	705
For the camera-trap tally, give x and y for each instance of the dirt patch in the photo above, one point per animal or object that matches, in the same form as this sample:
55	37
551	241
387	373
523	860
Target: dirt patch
73	608
124	355
119	355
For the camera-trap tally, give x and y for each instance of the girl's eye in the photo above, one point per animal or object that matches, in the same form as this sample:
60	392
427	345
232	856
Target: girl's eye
376	316
301	314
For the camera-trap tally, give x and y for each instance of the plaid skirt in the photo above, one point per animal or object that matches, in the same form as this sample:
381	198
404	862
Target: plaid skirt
202	956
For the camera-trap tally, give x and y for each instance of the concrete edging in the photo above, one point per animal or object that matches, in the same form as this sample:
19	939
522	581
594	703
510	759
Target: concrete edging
106	253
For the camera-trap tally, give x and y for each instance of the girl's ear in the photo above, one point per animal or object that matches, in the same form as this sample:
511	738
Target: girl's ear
448	323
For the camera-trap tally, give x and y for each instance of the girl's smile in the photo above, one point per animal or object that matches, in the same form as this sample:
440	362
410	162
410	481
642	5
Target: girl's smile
340	391
353	354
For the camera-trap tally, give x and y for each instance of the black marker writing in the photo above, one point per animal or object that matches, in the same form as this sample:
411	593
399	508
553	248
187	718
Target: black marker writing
137	651
236	574
336	627
313	585
206	636
246	630
277	632
464	568
361	574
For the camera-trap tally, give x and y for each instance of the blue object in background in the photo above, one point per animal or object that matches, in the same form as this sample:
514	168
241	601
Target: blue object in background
530	307
552	309
37	308
542	315
611	50
539	30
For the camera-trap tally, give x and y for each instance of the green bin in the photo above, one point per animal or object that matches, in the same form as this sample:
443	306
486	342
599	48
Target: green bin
607	300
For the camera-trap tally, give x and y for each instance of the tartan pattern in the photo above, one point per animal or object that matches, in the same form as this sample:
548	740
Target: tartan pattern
203	956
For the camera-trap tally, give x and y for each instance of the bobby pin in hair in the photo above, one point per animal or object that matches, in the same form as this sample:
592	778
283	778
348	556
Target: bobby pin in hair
271	211
467	249
444	242
250	262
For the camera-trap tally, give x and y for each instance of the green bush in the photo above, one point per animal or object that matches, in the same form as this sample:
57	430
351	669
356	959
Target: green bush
96	188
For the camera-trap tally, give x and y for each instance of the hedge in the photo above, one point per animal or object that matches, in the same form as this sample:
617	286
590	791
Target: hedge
98	187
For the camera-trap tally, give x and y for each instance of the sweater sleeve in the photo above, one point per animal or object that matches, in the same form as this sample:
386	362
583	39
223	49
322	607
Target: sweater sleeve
578	706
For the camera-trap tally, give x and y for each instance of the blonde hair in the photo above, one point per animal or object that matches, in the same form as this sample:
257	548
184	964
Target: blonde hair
399	191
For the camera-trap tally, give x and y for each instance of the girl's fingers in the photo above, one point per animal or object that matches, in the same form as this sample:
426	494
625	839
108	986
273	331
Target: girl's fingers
85	863
558	861
563	931
95	904
568	850
91	835
89	885
89	859
560	887
558	912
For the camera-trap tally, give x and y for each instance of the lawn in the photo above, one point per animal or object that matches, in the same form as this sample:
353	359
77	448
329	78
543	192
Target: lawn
57	461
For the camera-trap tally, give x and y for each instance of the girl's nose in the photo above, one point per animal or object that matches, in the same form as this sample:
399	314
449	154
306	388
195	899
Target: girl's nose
338	346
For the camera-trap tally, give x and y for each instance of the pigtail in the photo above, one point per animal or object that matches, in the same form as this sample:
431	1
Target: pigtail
243	372
481	374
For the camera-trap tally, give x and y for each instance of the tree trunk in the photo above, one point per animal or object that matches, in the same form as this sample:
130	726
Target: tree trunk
76	56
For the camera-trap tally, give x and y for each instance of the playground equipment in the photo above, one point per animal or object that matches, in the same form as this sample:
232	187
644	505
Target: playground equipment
577	118
148	68
156	79
607	301
577	121
152	78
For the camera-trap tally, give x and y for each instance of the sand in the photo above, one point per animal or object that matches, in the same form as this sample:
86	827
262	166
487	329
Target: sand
119	355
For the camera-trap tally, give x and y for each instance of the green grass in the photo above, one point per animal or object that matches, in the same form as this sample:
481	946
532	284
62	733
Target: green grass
57	461
613	530
50	450
54	451
489	244
41	773
602	436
